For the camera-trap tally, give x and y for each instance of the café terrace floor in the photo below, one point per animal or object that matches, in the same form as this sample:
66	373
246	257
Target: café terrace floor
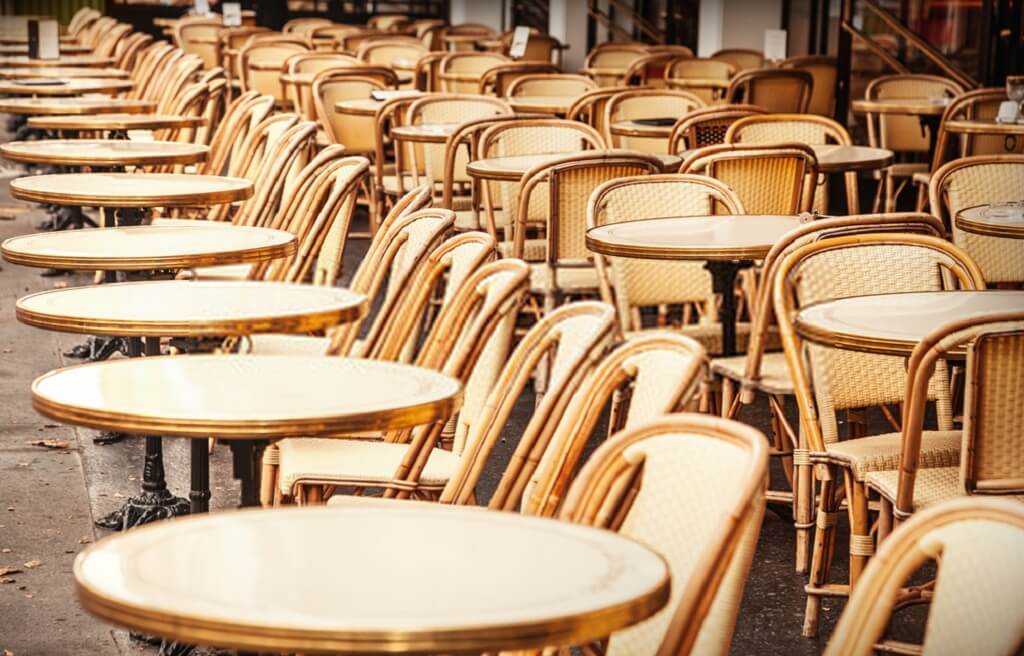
49	497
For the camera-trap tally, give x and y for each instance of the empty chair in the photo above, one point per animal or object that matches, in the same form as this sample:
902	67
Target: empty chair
497	79
333	85
707	126
554	84
778	90
261	63
460	72
638	104
200	37
824	70
740	58
589	107
607	64
708	79
304	26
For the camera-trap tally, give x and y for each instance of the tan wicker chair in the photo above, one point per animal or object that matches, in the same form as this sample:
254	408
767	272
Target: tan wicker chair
230	43
762	371
981	180
843	380
648	71
707	126
901	133
333	85
768	178
589	107
975	607
497	79
708	79
334	32
301	95
799	128
646	103
200	37
392	170
607	64
566	267
643	378
129	50
526	137
631	284
779	90
400	54
260	63
824	70
239	117
708	539
991	461
461	72
390	22
305	26
552	84
741	59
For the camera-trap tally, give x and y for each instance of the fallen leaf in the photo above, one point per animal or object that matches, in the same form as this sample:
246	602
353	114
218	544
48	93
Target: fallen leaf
4	580
5	551
51	444
9	570
8	652
32	564
60	284
85	539
28	596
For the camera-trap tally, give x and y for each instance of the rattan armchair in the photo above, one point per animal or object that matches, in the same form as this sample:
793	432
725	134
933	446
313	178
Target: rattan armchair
497	79
708	79
245	111
645	104
824	70
301	95
607	64
707	126
844	380
768	178
305	25
978	593
981	180
129	49
199	36
550	84
333	85
460	72
261	61
653	483
742	59
779	90
589	107
392	170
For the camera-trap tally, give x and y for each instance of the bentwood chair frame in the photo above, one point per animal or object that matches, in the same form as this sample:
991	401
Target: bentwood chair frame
607	63
743	59
335	84
497	79
976	543
240	115
824	70
646	103
589	107
915	262
707	126
707	78
460	72
761	87
130	47
392	112
300	95
710	575
550	84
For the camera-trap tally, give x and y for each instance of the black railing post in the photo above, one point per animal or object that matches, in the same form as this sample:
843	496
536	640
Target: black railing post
845	60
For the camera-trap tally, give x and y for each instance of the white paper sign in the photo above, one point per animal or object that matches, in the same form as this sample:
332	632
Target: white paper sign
201	7
774	45
519	39
232	13
44	39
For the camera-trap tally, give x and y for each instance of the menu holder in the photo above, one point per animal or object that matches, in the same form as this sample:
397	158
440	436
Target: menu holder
231	13
520	37
43	39
775	45
201	7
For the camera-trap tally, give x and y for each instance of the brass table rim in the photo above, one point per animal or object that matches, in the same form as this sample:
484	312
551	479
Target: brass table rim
561	630
417	414
70	87
115	121
302	321
908	106
108	262
177	153
629	128
474	170
984	126
1006	231
79	106
419	133
243	190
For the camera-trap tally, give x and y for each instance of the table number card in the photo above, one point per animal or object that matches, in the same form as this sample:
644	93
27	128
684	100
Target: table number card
201	7
232	12
519	40
43	39
774	45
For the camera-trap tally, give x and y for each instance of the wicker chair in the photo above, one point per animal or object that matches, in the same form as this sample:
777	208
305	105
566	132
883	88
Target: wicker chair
589	107
526	137
200	37
569	181
305	26
631	284
231	40
799	128
260	63
708	79
552	84
129	50
740	58
496	80
900	133
301	95
980	180
643	378
843	380
646	103
991	462
389	22
779	90
648	71
976	603
824	70
707	538
768	178
334	33
763	372
333	85
460	72
607	64
241	114
707	126
391	170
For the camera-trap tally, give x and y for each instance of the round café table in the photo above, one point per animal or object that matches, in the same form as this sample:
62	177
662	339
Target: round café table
1010	132
726	244
75	86
74	106
104	152
556	105
65	49
392	578
992	221
650	128
245	399
894	324
64	60
839	158
190	309
512	169
62	72
358	106
430	133
115	122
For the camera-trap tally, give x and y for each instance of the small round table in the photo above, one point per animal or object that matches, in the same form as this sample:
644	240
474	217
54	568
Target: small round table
1010	132
76	106
644	128
557	105
980	221
894	324
75	86
431	133
62	72
115	122
725	243
358	106
838	158
398	578
92	61
189	309
65	49
246	399
512	169
104	152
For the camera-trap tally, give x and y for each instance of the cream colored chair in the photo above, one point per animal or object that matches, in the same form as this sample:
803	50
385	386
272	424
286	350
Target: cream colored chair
560	84
200	37
607	64
824	70
707	126
460	72
708	79
646	104
741	59
261	63
778	90
354	131
300	95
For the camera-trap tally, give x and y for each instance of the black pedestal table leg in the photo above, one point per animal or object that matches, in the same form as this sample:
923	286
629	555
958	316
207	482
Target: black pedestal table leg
723	277
155	502
245	456
199	495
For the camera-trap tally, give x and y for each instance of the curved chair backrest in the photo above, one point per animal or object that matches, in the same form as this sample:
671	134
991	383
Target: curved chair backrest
460	72
449	108
392	52
233	128
305	26
550	84
977	602
708	79
646	103
200	37
847	266
607	64
348	83
707	126
177	78
589	107
981	180
497	79
691	487
779	90
899	132
649	70
261	62
740	58
974	104
129	49
109	41
825	71
640	380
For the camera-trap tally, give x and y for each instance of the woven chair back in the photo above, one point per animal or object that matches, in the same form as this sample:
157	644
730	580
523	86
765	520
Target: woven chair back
200	37
550	84
741	59
645	104
824	70
449	109
902	133
460	72
779	90
497	79
333	85
707	126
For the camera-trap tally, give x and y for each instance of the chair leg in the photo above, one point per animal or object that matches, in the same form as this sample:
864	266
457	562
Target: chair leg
884	520
803	491
823	535
862	545
728	396
268	475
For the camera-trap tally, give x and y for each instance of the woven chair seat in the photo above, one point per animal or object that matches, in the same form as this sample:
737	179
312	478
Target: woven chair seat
355	462
569	278
276	344
775	378
931	486
878	453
